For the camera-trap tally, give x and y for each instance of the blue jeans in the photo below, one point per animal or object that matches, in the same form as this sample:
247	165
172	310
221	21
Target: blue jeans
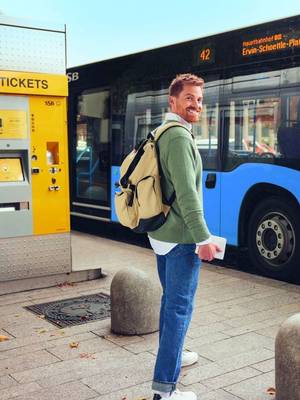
178	272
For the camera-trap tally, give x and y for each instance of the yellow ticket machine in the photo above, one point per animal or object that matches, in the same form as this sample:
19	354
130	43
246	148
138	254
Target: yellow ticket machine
34	183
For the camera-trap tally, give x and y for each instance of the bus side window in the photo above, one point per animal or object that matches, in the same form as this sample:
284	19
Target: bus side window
252	131
145	111
289	130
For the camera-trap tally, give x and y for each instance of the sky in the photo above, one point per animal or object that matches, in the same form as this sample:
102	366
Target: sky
102	29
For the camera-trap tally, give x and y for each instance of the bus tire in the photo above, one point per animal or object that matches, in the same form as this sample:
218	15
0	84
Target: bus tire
274	238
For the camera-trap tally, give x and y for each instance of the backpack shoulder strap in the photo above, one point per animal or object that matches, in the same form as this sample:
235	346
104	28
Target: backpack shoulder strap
163	128
133	164
157	135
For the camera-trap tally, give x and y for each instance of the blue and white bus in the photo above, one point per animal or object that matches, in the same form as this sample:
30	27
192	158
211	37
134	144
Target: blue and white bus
248	135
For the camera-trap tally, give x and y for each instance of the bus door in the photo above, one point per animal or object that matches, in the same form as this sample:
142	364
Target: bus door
250	122
91	182
207	133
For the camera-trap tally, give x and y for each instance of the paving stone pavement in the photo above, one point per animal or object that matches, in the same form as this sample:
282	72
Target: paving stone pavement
236	318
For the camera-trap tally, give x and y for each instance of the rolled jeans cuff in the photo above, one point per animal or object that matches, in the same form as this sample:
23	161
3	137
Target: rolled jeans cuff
163	387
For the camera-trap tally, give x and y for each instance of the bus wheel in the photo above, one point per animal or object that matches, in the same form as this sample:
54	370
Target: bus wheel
274	238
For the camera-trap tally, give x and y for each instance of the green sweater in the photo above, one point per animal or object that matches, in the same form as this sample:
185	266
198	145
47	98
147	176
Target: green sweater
182	171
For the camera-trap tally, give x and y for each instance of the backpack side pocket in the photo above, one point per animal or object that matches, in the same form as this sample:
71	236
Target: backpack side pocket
126	208
148	196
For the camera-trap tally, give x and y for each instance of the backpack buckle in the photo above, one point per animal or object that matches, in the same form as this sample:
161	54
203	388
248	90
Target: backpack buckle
150	136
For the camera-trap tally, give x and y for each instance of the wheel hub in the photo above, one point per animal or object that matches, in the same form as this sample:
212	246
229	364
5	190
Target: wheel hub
275	239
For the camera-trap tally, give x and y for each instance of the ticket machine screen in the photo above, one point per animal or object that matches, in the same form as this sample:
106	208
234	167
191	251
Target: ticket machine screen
11	170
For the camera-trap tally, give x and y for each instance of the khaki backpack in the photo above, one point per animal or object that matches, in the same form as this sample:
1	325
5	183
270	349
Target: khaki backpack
139	203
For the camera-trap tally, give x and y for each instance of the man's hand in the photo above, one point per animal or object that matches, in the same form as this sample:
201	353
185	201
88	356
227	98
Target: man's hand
207	252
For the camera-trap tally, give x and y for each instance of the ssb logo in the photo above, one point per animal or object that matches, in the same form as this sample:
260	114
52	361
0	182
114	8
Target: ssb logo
73	76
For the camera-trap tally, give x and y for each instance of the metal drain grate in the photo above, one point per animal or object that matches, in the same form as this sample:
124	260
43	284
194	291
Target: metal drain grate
75	311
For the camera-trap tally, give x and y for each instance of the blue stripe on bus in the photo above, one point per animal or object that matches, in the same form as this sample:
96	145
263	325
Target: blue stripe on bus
211	203
222	204
115	177
235	184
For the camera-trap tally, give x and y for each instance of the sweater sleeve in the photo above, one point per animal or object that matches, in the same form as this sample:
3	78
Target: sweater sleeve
181	165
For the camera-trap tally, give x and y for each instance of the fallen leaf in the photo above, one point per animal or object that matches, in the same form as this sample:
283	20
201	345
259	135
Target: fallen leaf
74	345
105	336
17	315
42	331
3	338
66	284
41	316
86	355
271	391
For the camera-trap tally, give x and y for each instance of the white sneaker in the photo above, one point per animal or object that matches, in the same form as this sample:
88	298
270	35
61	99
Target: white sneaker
188	358
178	395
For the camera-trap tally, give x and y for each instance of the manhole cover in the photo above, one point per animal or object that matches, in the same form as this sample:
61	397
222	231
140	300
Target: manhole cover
75	311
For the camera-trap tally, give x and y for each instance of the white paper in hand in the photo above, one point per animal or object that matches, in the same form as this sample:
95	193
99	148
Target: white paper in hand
221	243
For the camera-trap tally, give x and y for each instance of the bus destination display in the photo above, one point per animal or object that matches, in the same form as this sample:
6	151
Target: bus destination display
270	43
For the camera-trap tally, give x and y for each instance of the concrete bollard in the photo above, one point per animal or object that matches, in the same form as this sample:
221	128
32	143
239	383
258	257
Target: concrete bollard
287	360
135	302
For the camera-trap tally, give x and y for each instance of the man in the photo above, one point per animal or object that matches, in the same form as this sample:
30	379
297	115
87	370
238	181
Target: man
175	241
